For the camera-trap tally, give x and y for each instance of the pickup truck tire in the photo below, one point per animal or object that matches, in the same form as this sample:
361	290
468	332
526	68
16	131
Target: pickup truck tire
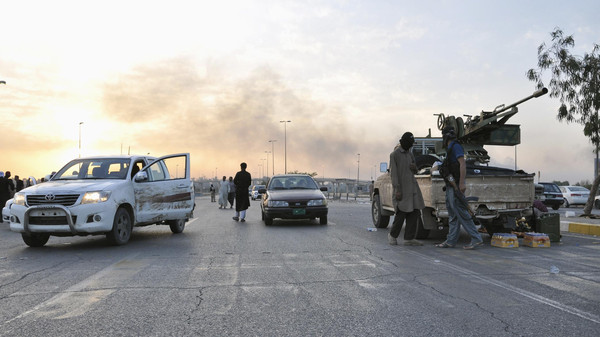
122	227
177	226
35	239
379	220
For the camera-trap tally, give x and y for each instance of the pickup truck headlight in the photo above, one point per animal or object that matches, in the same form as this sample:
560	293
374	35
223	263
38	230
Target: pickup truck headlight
278	203
317	202
19	199
95	197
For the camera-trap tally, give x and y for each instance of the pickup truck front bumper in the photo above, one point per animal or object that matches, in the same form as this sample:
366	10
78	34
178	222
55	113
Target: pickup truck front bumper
60	220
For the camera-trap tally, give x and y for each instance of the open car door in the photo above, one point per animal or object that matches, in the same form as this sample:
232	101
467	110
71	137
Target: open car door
163	190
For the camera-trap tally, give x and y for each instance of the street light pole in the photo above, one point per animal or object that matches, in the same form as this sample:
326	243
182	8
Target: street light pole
272	141
267	152
357	171
285	143
80	139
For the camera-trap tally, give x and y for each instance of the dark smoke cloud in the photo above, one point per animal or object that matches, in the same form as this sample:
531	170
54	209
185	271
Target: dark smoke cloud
179	109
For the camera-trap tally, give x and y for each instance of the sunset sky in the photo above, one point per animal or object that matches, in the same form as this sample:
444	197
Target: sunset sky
215	78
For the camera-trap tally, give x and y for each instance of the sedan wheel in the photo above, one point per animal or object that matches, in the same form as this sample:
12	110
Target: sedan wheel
566	204
323	220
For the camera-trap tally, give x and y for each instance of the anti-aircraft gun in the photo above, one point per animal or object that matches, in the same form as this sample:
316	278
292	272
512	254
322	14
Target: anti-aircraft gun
489	128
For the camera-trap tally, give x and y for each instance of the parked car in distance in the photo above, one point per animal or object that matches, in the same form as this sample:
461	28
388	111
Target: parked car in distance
293	196
575	195
255	192
552	196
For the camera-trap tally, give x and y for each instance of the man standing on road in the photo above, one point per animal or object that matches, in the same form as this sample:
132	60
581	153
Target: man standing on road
242	181
408	200
454	168
231	195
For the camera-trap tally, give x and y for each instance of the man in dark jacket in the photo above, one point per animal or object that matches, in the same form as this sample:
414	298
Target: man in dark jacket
242	181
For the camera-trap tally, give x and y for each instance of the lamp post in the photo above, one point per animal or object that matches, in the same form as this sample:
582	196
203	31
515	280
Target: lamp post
285	144
272	141
357	172
80	123
267	152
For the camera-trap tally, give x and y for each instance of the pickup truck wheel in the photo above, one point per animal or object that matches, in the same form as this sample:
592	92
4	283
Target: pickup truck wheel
177	226
122	227
323	220
35	239
379	220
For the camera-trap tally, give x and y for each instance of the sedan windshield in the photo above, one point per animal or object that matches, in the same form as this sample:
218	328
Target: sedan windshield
100	168
291	183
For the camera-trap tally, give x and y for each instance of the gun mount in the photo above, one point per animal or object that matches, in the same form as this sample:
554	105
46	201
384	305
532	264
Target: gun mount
489	128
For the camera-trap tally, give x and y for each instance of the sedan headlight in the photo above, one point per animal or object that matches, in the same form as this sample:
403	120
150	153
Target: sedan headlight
95	197
317	202
19	199
278	203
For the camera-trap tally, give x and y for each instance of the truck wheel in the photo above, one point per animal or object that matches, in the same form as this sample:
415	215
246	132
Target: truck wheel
422	233
35	239
122	227
379	220
323	220
177	226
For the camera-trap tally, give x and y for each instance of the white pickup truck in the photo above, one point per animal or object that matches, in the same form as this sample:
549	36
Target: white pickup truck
106	196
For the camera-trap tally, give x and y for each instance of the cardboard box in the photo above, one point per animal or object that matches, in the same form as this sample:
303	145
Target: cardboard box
505	240
536	240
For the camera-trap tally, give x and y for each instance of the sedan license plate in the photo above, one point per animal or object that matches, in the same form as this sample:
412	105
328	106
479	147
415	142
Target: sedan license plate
298	211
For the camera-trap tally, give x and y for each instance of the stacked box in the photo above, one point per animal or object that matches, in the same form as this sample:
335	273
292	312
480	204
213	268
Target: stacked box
536	240
505	240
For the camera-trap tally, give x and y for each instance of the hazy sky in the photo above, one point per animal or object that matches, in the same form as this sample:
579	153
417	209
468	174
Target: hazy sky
214	78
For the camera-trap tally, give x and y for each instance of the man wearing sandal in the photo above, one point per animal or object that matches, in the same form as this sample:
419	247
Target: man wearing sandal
454	167
408	200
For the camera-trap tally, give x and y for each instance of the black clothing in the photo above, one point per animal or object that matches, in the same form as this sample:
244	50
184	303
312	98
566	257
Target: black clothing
4	191
242	181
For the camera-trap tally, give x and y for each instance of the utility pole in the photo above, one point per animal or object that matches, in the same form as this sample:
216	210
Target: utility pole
272	141
285	143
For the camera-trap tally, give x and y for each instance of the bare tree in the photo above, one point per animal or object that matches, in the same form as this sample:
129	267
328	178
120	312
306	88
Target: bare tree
575	80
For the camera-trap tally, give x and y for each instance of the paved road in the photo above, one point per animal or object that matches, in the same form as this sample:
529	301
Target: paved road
222	277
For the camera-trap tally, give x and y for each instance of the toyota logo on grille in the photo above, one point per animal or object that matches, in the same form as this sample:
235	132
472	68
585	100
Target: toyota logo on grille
50	197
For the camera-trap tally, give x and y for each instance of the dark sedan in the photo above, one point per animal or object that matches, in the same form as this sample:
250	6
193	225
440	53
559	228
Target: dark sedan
293	196
552	195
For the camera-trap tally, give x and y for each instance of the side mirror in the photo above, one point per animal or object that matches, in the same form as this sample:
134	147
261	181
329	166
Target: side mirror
262	190
141	177
324	188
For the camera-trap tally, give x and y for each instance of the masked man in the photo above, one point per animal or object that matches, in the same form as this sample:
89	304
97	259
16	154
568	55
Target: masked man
408	200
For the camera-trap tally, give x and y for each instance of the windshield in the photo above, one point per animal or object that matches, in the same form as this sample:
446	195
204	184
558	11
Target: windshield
292	183
551	188
102	168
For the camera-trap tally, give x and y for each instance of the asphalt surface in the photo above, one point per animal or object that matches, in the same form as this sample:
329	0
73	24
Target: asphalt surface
295	278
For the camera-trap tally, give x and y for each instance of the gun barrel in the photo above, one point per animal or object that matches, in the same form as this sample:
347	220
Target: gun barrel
535	94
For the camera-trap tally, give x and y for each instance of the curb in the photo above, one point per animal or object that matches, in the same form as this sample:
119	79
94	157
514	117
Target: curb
584	228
